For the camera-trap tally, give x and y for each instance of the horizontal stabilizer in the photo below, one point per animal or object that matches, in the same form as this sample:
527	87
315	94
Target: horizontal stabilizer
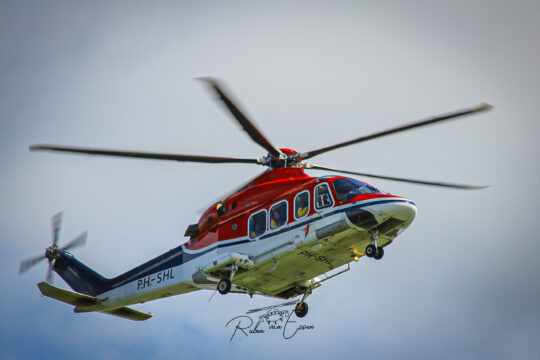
129	313
81	300
67	296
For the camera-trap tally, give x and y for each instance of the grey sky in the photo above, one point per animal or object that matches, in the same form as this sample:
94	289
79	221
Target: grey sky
462	282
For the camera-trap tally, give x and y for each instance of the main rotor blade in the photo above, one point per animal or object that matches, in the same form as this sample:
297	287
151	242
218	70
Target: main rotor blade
233	191
413	125
145	155
244	185
246	124
27	264
78	241
414	181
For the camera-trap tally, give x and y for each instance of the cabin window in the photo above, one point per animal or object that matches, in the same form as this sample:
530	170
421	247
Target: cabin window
346	189
278	215
301	205
323	198
257	224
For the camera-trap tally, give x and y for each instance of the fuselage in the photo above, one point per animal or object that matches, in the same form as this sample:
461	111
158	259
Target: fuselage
279	233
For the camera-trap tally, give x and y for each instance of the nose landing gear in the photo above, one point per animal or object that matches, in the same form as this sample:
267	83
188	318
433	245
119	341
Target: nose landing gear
372	250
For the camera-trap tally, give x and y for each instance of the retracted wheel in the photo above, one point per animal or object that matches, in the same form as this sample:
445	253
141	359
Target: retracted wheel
379	254
371	250
301	309
224	286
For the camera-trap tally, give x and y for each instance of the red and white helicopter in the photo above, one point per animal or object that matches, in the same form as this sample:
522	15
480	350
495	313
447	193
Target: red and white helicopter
272	236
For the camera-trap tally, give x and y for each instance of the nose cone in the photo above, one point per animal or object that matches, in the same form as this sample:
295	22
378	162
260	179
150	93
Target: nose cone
386	214
403	210
396	216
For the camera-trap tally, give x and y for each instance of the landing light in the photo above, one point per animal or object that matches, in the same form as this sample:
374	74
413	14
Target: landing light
356	258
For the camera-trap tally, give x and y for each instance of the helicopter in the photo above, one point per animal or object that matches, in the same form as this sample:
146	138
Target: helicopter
280	234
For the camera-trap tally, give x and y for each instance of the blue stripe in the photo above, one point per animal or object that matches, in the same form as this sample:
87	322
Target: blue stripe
296	226
178	256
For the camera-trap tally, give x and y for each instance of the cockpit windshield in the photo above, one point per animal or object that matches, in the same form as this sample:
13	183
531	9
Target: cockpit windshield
346	189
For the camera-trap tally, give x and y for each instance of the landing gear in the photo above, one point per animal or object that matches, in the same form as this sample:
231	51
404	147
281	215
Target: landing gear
372	250
301	309
379	254
224	286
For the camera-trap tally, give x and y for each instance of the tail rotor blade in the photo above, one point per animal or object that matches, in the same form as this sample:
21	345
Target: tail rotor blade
56	223
53	252
27	264
49	277
77	242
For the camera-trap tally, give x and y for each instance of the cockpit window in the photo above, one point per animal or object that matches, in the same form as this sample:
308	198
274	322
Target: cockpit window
257	224
323	198
346	189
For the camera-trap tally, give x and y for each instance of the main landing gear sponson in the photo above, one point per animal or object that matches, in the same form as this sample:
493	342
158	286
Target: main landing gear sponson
301	309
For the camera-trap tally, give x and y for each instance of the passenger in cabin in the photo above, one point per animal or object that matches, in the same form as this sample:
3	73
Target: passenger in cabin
301	205
257	224
258	230
278	215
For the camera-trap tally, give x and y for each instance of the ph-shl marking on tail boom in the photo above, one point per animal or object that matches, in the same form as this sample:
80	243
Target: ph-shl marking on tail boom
279	234
155	279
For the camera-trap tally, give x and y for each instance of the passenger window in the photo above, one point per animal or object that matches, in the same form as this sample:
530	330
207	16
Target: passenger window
278	215
257	224
323	198
301	205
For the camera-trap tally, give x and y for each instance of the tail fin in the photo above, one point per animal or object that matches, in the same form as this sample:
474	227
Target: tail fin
80	277
84	280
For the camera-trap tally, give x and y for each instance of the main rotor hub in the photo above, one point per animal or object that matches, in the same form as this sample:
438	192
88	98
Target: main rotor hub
286	158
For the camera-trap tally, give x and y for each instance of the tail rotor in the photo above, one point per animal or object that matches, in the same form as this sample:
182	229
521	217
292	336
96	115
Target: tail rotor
53	252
